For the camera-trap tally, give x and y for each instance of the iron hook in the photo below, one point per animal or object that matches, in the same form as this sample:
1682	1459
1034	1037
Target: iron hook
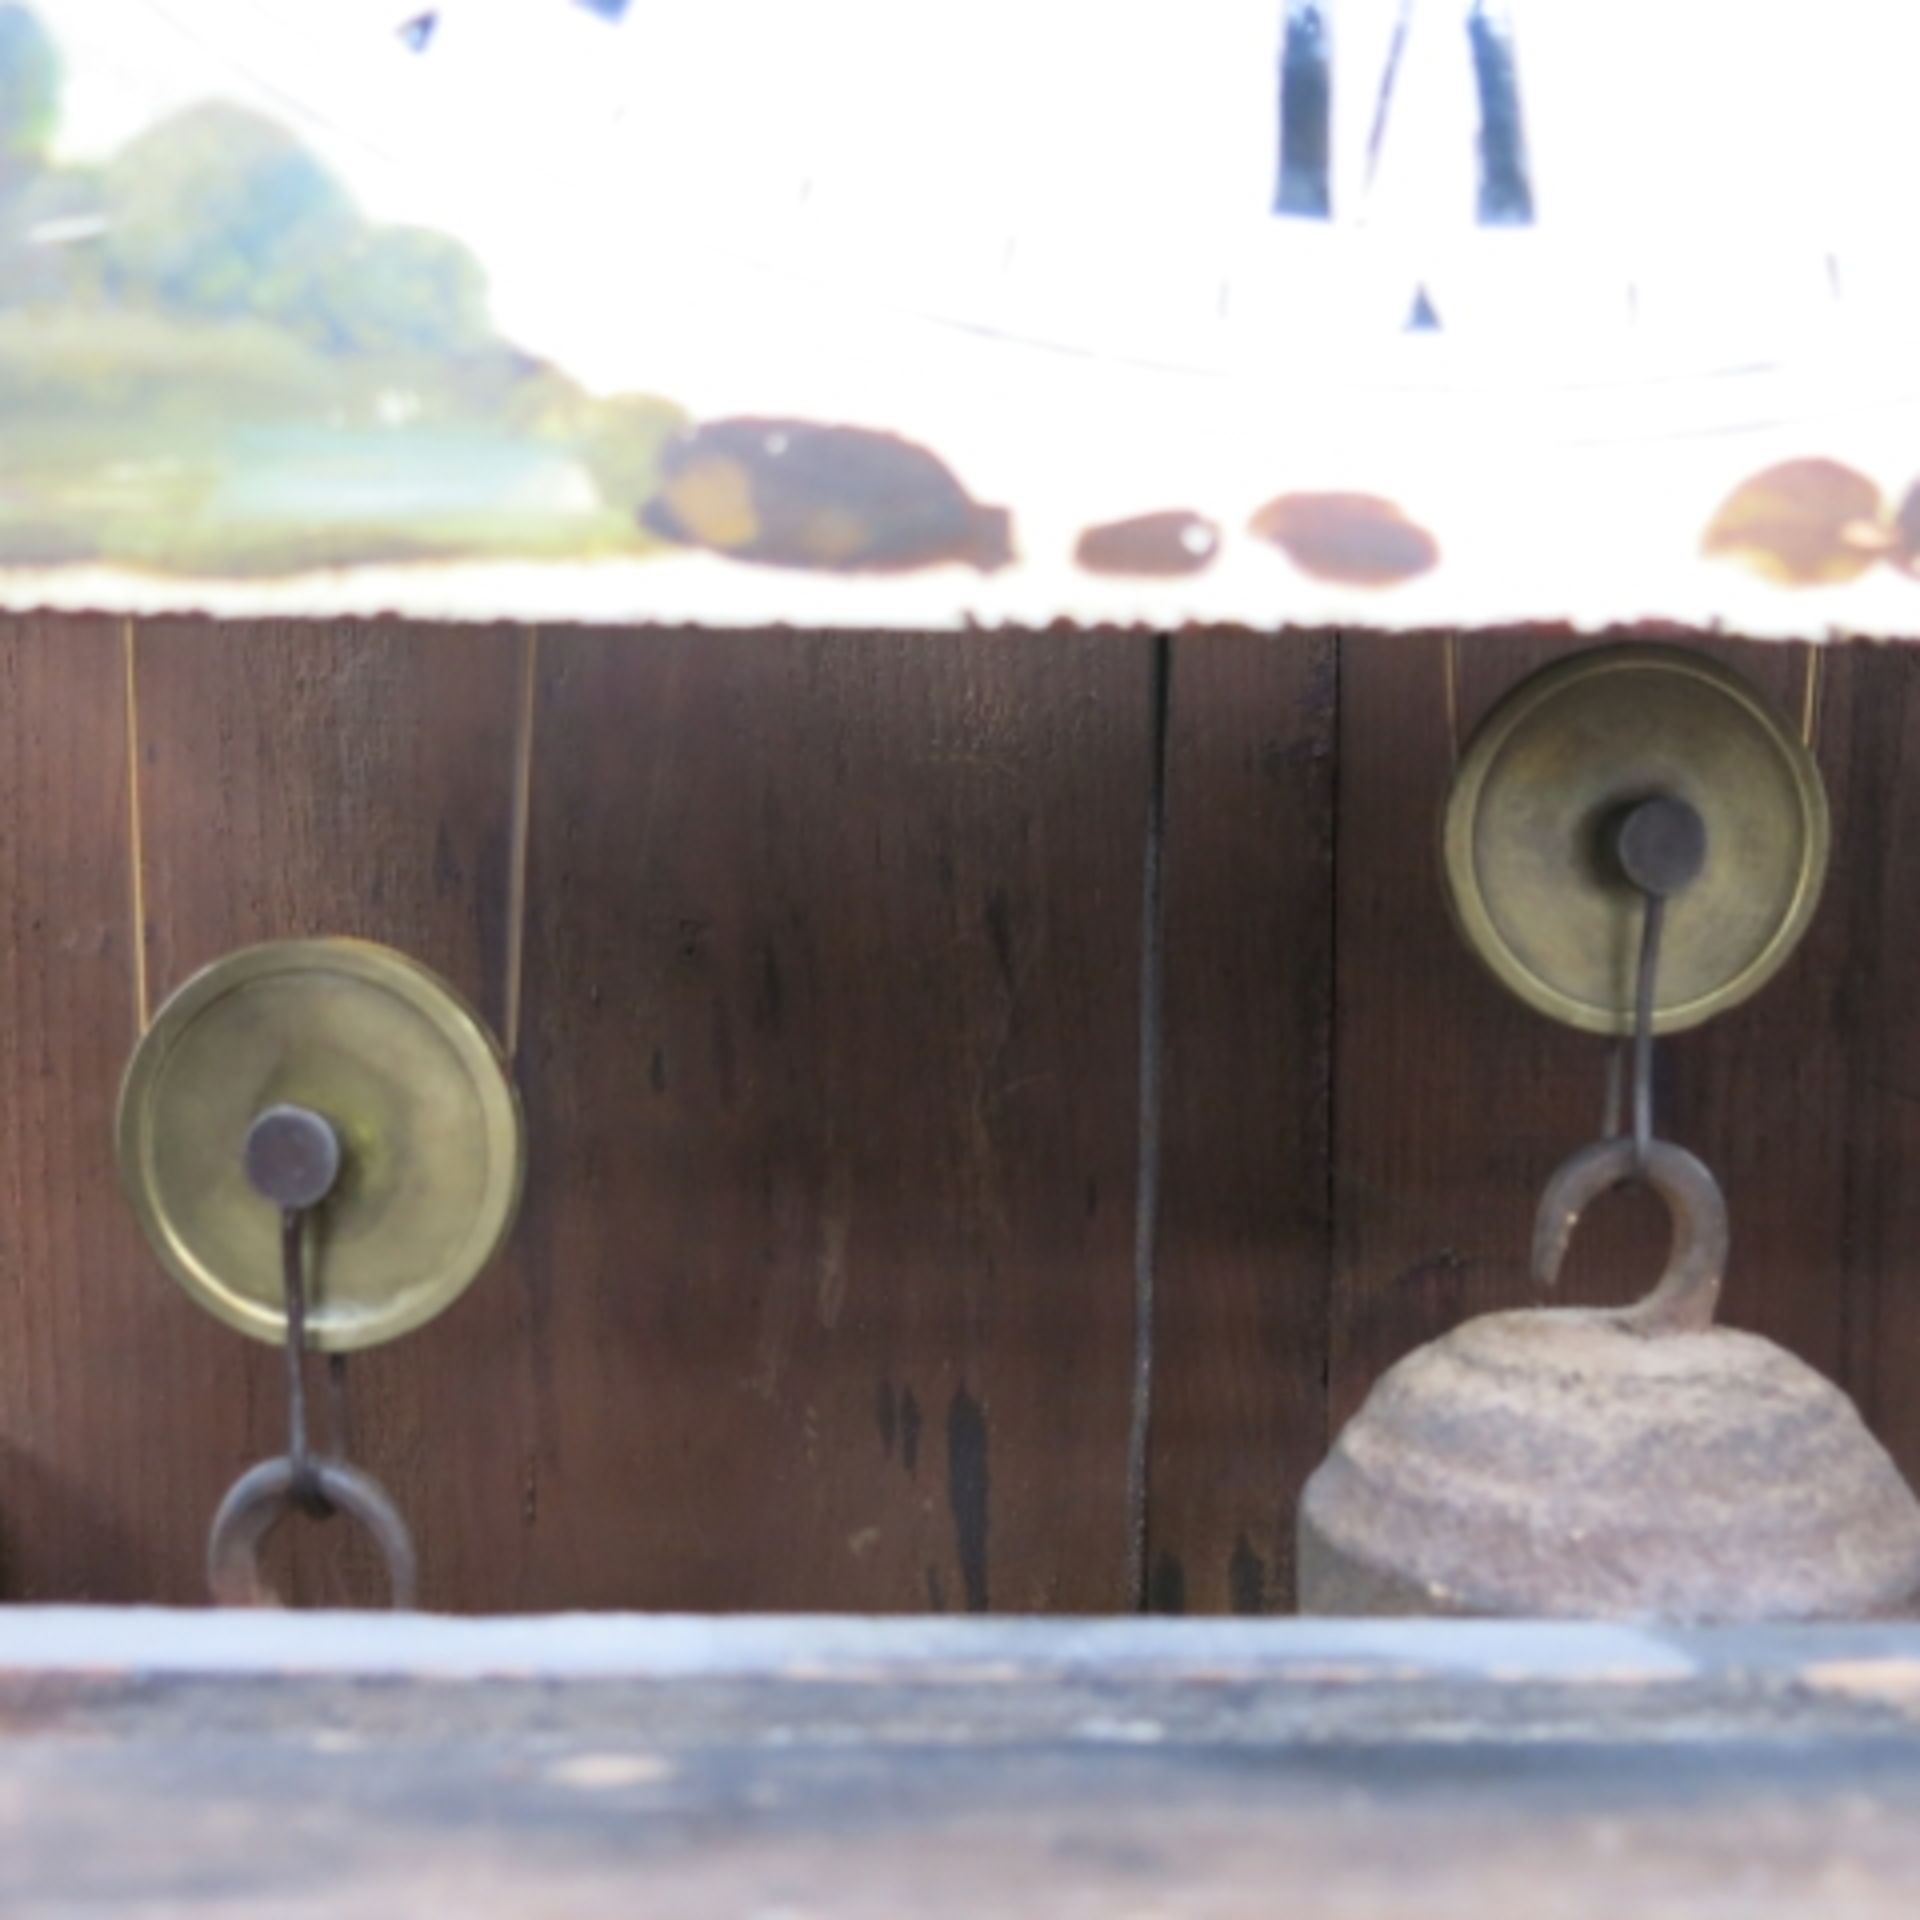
1684	1297
293	1159
261	1498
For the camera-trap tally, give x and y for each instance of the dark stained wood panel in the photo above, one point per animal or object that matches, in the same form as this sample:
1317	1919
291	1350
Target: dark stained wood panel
1761	1092
99	1375
830	1062
824	1292
1240	1290
1875	992
346	779
1453	1103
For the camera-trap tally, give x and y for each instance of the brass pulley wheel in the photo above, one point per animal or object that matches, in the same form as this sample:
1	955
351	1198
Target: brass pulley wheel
1532	874
406	1075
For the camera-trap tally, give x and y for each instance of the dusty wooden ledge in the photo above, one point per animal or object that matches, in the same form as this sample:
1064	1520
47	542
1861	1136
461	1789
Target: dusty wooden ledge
153	1762
806	1647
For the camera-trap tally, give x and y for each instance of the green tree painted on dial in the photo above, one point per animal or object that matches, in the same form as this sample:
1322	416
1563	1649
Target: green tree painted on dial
29	95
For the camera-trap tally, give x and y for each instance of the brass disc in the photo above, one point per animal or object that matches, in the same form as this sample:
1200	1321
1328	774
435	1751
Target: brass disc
1530	876
410	1079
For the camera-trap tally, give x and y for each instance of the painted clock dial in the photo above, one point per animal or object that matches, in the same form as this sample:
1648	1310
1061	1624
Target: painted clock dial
1388	312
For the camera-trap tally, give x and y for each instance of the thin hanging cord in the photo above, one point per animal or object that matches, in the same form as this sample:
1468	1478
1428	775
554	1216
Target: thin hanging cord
1146	1231
136	834
1450	675
1810	695
524	717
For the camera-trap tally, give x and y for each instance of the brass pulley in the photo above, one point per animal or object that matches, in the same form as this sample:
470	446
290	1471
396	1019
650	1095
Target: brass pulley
323	1146
410	1080
1633	842
1531	874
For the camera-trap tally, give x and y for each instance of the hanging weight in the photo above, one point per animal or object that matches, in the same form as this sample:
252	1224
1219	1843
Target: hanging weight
1637	1462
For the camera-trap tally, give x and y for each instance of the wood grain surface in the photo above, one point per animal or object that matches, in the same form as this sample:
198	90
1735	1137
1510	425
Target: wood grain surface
1239	1413
829	1058
1864	1108
1453	1102
344	780
824	960
103	1385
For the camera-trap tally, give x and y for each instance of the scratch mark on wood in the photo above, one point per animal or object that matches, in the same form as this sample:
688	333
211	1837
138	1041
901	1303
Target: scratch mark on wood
446	864
968	1493
1167	1591
1247	1578
836	1227
770	996
909	1430
999	922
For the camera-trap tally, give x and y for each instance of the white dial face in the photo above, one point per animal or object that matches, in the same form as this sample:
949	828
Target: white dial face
1706	176
1104	259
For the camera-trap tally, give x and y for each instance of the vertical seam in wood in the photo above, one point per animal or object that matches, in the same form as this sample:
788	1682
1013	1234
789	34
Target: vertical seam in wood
519	840
136	834
1330	1094
1147	1178
1875	716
